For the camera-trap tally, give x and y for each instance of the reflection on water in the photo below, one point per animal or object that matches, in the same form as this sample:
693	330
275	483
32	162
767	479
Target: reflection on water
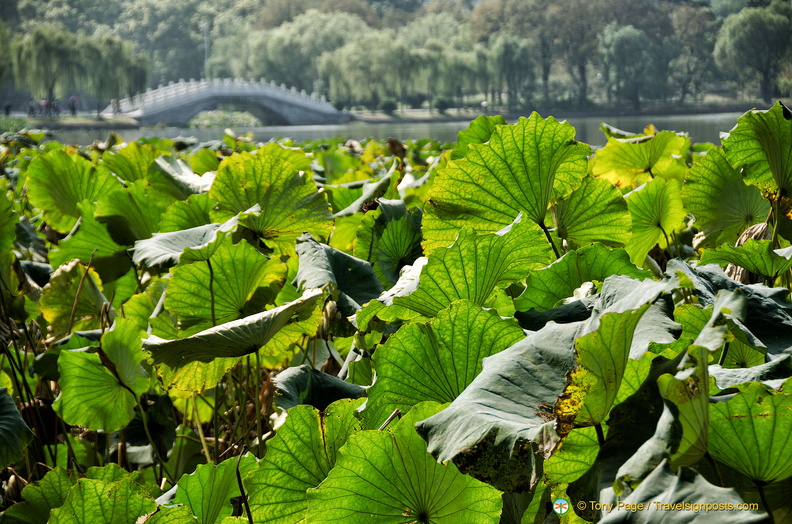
701	128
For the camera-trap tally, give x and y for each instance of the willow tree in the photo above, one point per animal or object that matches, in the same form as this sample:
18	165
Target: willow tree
5	55
47	61
111	68
755	40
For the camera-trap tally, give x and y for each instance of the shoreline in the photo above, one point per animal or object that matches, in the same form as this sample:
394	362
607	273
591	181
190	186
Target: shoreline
417	116
467	114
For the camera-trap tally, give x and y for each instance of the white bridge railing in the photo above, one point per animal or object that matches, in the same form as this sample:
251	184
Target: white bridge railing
184	91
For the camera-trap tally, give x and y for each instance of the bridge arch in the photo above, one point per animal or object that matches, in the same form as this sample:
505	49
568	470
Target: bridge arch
177	103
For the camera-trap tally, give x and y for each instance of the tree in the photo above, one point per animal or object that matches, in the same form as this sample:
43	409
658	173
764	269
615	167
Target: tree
364	68
111	68
754	40
288	54
524	19
577	24
630	57
47	61
6	65
694	30
74	15
512	62
170	34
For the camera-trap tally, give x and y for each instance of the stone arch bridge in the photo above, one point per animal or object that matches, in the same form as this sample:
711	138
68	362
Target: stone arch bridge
176	103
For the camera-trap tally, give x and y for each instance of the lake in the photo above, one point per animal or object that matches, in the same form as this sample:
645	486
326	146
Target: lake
701	128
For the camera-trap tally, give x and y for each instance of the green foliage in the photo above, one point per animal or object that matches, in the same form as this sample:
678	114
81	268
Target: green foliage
545	330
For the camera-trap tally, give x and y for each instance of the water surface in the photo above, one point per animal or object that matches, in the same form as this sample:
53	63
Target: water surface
701	128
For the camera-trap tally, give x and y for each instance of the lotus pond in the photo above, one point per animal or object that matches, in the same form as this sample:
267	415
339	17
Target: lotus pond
510	328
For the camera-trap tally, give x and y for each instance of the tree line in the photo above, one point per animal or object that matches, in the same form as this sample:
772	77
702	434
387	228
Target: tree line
413	53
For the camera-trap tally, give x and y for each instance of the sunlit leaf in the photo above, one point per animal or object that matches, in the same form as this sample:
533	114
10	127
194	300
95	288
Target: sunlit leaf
657	213
207	491
57	181
723	205
72	298
91	501
762	142
290	203
594	212
520	170
299	457
383	476
636	160
478	131
436	360
548	286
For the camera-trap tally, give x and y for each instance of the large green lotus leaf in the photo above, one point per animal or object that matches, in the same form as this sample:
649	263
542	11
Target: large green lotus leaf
290	203
383	476
547	287
621	293
231	339
94	395
40	497
631	423
688	390
166	249
91	243
756	256
478	131
636	160
594	212
294	155
602	358
57	181
741	436
472	268
186	214
770	320
91	501
133	212
131	162
199	376
501	425
575	456
497	426
306	385
681	432
663	489
298	458
389	237
520	170
59	297
208	490
173	176
762	142
723	205
436	360
14	433
657	213
216	291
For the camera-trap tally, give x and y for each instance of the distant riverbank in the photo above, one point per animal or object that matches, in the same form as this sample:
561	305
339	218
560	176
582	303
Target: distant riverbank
417	116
